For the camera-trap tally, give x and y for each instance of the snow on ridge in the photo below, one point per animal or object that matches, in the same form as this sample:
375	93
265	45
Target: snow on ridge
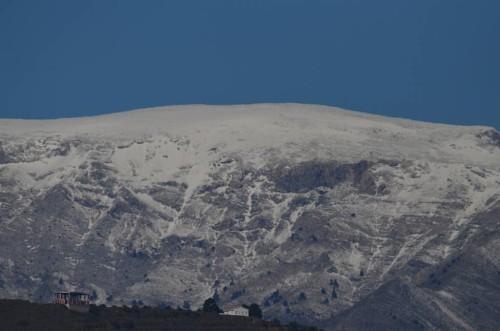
146	115
312	130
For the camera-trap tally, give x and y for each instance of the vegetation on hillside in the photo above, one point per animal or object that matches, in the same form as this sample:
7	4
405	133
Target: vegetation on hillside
24	315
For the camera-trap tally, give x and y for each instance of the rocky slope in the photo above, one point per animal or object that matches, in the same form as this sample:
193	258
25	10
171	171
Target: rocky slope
320	215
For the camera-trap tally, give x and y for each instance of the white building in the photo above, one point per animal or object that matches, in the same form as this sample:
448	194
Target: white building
76	301
240	311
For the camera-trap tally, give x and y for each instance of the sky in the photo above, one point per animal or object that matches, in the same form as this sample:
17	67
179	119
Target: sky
429	60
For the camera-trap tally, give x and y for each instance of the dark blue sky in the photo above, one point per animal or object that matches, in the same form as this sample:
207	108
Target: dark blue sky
428	60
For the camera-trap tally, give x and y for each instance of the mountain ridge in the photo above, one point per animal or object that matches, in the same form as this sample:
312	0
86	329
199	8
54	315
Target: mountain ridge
303	209
348	112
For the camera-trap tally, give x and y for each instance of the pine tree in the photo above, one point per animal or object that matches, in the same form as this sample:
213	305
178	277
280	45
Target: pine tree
210	306
254	310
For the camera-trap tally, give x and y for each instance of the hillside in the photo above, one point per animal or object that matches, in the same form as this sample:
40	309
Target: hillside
24	315
313	212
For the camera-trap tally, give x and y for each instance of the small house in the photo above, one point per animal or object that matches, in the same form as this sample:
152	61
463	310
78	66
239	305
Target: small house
239	311
76	301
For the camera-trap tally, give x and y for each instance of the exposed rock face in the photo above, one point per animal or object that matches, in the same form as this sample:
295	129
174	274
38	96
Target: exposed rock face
457	293
309	175
490	136
319	215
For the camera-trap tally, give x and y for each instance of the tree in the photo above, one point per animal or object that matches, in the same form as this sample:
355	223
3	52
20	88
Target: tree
186	305
94	296
210	306
254	310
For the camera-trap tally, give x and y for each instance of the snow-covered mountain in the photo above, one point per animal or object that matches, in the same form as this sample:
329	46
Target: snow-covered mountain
319	214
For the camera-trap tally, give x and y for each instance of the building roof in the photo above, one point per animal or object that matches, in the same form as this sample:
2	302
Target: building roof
70	293
234	308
